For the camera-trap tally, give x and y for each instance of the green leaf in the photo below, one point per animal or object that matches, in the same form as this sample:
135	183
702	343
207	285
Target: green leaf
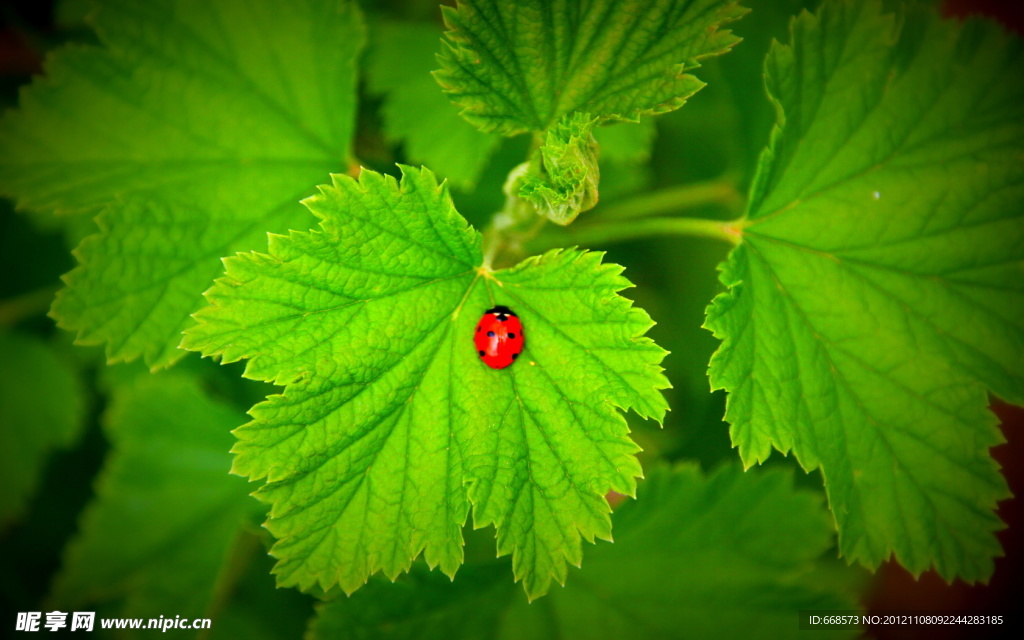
41	407
520	66
195	128
626	142
625	152
877	291
422	604
257	609
416	112
694	557
566	176
390	425
159	533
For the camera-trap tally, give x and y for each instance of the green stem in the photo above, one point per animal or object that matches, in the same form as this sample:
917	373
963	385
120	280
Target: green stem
604	233
33	303
512	233
240	555
511	227
687	196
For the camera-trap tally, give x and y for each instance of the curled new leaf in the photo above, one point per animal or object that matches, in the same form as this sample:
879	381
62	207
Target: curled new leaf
565	180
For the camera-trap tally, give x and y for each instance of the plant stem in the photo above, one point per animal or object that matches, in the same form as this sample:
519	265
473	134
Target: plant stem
511	227
241	553
721	190
513	232
37	302
604	233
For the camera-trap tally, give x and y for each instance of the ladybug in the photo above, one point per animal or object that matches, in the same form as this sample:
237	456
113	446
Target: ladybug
499	337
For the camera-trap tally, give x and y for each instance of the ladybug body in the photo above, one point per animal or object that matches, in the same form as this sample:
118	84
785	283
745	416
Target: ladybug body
499	337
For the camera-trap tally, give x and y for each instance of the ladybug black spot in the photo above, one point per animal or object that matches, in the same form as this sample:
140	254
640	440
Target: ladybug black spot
481	354
511	336
515	355
478	329
490	334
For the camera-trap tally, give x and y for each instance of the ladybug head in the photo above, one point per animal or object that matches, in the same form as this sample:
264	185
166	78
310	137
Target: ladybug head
498	310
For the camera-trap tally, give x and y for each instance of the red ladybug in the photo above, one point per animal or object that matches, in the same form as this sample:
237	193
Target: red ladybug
499	337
